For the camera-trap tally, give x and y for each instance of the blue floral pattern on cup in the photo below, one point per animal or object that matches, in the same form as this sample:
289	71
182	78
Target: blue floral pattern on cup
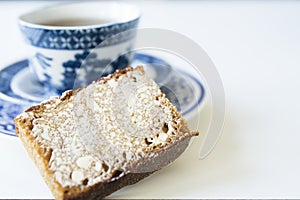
87	67
82	48
78	39
43	60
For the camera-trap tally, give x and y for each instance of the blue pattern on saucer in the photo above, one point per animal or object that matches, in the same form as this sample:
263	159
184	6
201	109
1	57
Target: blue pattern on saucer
180	88
78	39
8	111
6	76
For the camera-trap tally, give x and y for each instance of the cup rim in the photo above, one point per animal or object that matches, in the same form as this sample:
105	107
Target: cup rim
25	22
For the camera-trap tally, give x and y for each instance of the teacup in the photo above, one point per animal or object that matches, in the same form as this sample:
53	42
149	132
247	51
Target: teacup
65	38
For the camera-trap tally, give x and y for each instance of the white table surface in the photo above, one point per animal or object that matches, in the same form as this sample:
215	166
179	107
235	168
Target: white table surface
255	46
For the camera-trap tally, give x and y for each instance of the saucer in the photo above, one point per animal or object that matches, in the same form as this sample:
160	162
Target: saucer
20	88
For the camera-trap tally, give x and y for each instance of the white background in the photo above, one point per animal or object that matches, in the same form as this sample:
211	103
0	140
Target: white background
255	45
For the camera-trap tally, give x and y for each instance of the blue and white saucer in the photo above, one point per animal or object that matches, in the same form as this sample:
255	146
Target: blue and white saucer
21	89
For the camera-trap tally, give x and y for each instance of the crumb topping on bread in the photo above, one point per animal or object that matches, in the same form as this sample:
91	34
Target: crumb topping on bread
99	133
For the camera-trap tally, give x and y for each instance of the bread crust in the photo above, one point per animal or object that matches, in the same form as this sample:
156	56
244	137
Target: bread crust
41	156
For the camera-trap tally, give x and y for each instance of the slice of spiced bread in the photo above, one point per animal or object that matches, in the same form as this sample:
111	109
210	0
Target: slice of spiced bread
93	141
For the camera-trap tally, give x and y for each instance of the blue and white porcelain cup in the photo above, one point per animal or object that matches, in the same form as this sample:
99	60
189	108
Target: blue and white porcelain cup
65	38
